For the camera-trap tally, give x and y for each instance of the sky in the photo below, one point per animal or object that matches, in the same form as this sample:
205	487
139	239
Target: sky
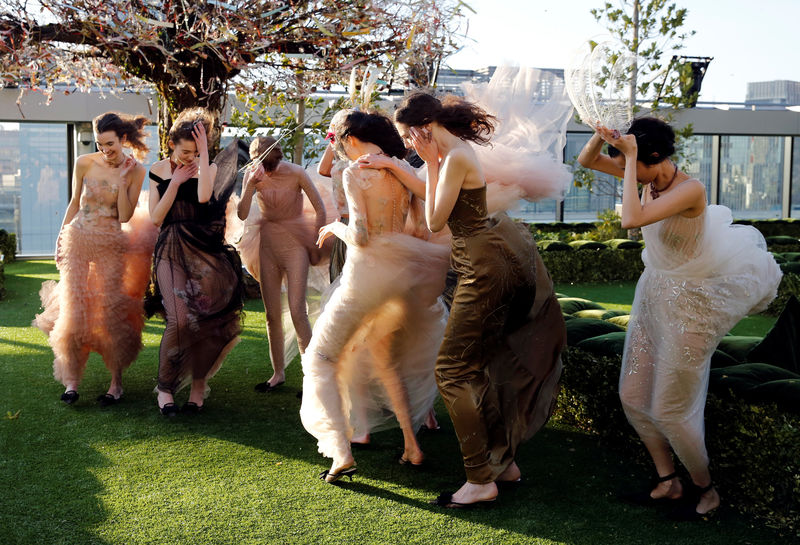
750	40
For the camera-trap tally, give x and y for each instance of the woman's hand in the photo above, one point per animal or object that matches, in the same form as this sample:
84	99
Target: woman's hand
325	232
424	145
374	160
183	173
200	139
128	165
254	174
625	143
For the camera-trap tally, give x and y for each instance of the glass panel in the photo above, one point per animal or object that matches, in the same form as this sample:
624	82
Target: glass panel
695	159
751	175
794	211
33	183
580	203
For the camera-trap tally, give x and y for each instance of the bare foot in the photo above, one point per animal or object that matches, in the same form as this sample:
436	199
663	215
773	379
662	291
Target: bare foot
338	466
164	398
511	474
708	501
671	489
430	421
473	493
415	457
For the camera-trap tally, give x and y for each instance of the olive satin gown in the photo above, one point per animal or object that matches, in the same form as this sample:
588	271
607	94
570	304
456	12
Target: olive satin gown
500	362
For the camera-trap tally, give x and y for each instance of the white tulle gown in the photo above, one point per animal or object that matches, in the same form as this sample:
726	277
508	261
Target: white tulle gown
702	275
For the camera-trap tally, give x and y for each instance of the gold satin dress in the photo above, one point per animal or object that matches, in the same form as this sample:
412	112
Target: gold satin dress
500	361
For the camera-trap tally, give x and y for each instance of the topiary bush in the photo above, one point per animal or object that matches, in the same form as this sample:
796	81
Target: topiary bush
790	285
8	246
754	448
593	266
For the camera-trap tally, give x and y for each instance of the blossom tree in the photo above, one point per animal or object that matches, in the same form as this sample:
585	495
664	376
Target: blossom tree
192	53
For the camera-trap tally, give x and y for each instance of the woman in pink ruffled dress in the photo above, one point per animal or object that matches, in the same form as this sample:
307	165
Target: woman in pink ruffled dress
97	304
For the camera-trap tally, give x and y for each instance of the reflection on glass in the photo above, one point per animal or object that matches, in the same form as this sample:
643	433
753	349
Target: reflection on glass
580	203
751	175
33	183
794	211
695	158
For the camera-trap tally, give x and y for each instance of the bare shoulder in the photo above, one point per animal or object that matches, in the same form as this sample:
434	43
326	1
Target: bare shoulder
161	168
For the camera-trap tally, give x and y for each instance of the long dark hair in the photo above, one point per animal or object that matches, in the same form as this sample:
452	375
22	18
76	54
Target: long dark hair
655	140
374	128
464	119
129	126
184	124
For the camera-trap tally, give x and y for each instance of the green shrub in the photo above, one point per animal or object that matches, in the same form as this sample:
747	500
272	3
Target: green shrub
775	227
553	246
754	449
8	246
588	245
790	285
583	266
2	281
624	244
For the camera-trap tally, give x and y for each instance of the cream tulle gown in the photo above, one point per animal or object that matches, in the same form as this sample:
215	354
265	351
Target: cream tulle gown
702	275
104	266
385	310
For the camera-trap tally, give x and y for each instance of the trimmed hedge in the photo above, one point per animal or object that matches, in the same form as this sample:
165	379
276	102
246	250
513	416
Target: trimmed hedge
8	246
790	285
592	266
754	449
775	227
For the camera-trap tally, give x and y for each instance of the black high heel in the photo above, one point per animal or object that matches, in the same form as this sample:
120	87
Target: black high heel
445	499
644	498
329	477
190	407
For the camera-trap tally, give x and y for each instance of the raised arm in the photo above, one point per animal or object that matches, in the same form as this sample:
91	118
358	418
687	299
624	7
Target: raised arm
326	163
248	190
401	169
132	178
686	197
590	157
357	232
206	171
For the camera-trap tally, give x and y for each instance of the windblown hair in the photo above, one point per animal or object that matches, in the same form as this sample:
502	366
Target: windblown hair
129	126
465	119
261	144
655	140
374	128
184	124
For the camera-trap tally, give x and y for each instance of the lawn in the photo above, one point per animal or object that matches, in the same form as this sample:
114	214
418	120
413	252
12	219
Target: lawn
244	472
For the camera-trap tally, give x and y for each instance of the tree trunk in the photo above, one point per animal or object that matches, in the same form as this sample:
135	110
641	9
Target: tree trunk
635	51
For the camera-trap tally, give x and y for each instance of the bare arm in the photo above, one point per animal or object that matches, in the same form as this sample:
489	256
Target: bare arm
132	178
248	190
684	198
313	195
401	169
357	232
206	172
590	157
326	163
81	166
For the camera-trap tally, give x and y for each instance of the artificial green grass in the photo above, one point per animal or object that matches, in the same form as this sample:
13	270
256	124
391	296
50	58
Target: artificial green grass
619	296
245	471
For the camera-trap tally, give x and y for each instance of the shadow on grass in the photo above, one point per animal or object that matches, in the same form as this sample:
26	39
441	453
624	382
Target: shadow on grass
50	494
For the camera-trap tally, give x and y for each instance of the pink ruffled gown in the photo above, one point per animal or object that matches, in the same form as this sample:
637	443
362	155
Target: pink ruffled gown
97	305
